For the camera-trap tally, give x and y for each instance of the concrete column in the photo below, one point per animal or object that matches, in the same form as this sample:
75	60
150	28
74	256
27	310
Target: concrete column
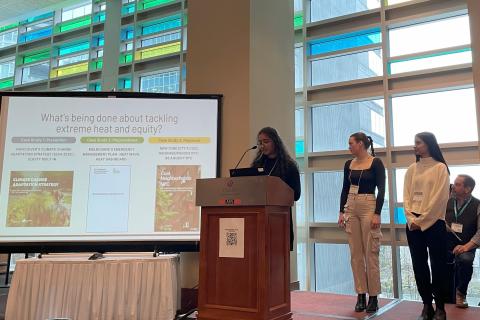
474	15
111	48
244	49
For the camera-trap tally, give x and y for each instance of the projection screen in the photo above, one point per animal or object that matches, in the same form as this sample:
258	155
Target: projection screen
104	167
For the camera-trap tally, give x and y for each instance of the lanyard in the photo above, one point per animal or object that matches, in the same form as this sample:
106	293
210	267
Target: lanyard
462	209
350	178
274	165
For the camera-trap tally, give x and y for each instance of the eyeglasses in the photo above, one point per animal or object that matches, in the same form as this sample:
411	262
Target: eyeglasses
263	142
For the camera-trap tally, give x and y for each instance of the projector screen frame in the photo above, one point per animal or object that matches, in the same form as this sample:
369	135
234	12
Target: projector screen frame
161	245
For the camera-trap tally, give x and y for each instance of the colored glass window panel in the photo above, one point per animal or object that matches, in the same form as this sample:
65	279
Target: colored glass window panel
8	27
38	18
86	21
66	71
153	3
299	149
128	9
33	57
346	41
158	51
127	33
298	20
439	60
74	48
126	58
125	83
8	83
26	37
100	17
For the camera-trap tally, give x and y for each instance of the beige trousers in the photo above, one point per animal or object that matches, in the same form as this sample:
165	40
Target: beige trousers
364	243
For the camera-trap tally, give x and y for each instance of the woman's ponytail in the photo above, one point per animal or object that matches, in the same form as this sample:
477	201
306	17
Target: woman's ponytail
371	145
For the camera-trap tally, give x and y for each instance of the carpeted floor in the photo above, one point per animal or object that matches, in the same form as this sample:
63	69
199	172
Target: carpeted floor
312	305
323	306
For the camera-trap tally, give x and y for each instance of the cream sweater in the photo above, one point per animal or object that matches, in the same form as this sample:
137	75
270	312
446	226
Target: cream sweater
426	192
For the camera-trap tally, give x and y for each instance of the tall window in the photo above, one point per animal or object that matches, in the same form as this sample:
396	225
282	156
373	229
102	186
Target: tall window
333	124
344	57
439	112
391	69
421	46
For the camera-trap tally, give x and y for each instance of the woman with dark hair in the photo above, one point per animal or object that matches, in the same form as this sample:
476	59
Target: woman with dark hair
360	216
425	196
274	158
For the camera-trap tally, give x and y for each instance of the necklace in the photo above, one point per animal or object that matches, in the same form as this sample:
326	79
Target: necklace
274	165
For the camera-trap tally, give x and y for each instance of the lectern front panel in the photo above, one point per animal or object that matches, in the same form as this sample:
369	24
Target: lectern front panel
229	279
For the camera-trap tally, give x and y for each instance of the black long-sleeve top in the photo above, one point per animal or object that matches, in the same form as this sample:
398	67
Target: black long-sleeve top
371	178
291	176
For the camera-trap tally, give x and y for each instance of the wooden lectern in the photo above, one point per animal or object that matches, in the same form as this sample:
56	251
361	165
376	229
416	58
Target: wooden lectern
244	248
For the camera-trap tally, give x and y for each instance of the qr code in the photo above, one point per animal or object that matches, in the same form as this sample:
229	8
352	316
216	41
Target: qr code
231	238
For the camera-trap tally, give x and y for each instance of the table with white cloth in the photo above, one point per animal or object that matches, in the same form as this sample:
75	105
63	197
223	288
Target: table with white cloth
116	287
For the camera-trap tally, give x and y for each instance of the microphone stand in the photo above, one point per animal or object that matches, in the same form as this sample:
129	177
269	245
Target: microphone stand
241	158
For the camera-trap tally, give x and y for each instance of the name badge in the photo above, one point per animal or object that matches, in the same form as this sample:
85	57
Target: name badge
353	189
418	196
457	227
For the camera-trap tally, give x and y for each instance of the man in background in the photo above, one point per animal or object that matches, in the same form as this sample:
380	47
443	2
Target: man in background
463	223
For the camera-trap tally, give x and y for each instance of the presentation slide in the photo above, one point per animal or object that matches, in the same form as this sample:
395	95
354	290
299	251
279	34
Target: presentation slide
104	168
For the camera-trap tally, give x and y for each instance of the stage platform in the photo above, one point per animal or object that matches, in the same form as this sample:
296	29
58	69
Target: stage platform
324	306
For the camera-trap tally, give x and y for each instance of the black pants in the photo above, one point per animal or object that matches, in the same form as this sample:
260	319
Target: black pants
431	242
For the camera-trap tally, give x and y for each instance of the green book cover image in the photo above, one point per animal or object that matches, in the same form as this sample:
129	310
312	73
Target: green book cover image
39	199
175	209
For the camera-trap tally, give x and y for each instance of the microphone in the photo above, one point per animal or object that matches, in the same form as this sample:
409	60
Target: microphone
243	155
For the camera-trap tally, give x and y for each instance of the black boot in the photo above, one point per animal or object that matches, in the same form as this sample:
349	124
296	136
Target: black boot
372	304
427	312
440	314
361	302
